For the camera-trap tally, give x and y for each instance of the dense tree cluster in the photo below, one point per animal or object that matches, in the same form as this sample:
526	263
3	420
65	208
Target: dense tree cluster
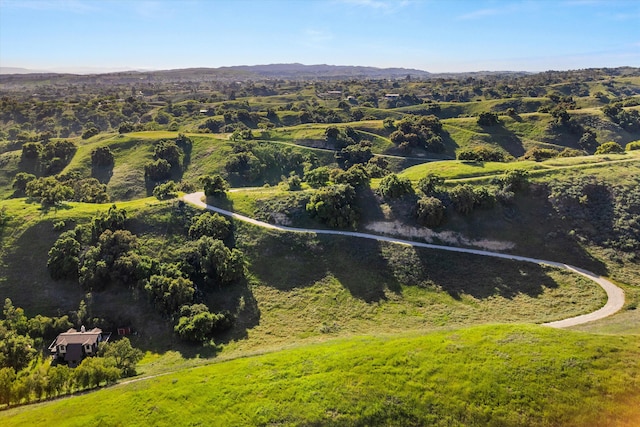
419	131
335	206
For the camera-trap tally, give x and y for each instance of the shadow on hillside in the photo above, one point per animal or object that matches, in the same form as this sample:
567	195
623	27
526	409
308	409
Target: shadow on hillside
286	261
102	173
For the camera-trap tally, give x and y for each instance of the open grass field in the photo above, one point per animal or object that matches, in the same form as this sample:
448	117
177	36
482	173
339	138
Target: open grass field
490	375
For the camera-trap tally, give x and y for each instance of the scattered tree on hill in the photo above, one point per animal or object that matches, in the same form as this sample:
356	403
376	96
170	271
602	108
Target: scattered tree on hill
430	184
167	190
102	156
335	206
169	293
198	324
609	148
318	177
482	153
392	187
488	119
463	198
158	170
49	191
214	185
21	180
209	224
64	257
430	211
124	354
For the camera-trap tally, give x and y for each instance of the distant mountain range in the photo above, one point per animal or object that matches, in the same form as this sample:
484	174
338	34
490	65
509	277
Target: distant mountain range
15	75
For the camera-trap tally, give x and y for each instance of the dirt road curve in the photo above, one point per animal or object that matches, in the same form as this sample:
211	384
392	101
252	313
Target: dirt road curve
615	295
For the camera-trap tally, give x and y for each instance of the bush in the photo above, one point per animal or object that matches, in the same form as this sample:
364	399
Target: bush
430	183
483	153
102	156
539	154
393	187
64	257
633	145
209	224
335	206
21	180
430	211
463	198
198	324
92	131
158	170
165	191
609	147
488	119
214	185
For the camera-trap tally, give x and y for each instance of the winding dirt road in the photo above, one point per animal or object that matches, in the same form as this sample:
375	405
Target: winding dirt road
615	295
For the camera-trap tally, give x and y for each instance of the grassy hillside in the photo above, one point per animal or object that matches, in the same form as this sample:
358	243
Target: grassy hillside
491	375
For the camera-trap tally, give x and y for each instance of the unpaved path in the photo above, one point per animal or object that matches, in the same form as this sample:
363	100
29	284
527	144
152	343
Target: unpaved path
615	295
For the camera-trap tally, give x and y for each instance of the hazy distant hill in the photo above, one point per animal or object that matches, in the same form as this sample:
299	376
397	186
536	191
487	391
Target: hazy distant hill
242	72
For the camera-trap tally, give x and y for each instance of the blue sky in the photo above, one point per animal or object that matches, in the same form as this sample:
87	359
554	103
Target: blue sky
432	35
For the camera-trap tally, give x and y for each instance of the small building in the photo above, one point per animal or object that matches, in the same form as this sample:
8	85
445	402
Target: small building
392	95
72	347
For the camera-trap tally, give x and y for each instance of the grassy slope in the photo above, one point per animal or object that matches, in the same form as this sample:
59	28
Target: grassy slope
491	375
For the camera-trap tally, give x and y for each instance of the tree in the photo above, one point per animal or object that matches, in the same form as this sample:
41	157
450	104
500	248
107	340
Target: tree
318	177
430	183
88	133
102	156
335	206
609	148
64	257
209	224
198	324
21	180
169	293
158	170
392	187
125	355
430	211
49	191
7	378
165	191
31	150
488	119
463	198
214	186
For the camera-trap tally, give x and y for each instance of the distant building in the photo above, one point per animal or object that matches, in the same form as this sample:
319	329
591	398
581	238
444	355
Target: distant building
392	95
72	347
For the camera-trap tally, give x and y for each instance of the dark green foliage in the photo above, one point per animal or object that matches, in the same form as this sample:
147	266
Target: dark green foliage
209	262
515	180
419	131
102	156
209	224
198	324
482	153
158	170
169	293
318	177
392	187
628	119
113	219
32	150
167	190
463	198
539	154
609	148
126	127
429	184
124	354
353	154
89	190
97	264
356	176
49	191
570	152
488	119
21	180
168	150
335	206
430	211
64	257
214	185
92	131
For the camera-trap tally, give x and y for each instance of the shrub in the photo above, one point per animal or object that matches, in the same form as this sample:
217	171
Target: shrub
488	119
463	198
165	191
633	145
208	224
539	154
102	156
393	187
430	211
483	153
609	147
335	206
214	185
158	170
